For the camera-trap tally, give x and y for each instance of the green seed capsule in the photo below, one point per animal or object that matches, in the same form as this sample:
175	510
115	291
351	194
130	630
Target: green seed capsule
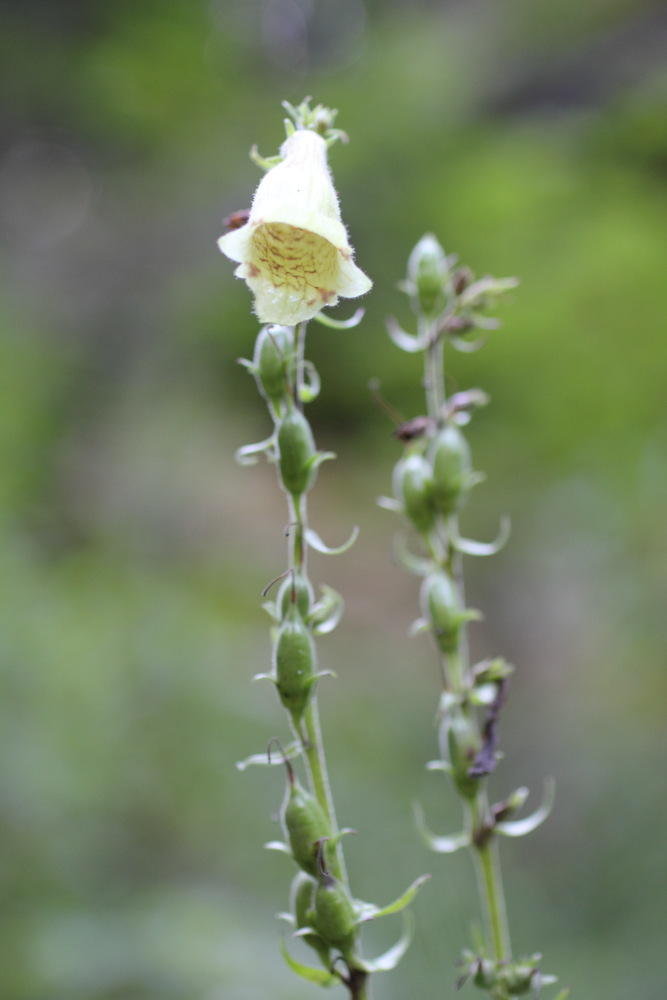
463	744
306	825
334	915
518	979
296	453
414	482
442	607
274	362
295	587
427	271
303	892
294	662
450	457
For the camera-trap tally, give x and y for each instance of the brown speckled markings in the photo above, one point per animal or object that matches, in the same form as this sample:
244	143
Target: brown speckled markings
294	257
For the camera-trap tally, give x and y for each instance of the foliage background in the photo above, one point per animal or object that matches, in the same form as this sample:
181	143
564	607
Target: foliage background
531	136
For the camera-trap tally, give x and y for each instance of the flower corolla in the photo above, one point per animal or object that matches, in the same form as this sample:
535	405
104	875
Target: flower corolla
293	252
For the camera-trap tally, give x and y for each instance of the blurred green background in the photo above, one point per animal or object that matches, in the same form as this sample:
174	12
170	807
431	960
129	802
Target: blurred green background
531	137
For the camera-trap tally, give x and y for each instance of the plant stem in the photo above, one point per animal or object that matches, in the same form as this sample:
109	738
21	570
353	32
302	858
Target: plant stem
434	382
490	883
317	769
312	744
455	671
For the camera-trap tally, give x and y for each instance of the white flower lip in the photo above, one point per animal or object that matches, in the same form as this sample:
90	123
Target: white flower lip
293	252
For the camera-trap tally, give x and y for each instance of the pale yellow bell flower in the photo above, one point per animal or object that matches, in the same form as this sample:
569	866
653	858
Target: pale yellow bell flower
293	252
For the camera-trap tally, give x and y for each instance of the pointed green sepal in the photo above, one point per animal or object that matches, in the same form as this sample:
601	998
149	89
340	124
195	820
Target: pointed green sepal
320	977
310	389
249	454
441	845
368	911
340	324
520	827
406	341
327	612
316	542
419	565
280	846
390	958
470	547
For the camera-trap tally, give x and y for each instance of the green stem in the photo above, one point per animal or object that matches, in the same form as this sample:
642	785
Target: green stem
434	382
456	668
490	882
317	768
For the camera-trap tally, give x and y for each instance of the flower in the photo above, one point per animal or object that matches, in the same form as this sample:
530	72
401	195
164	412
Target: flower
293	252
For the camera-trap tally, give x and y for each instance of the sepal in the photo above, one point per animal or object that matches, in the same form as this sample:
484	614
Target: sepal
440	844
368	911
320	977
405	341
390	958
470	547
340	324
315	542
249	453
520	827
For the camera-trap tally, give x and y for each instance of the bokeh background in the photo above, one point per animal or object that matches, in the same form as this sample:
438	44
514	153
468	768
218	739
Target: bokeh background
531	137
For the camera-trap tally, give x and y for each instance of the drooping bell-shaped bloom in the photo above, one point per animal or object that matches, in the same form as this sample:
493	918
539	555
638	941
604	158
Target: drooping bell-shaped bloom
293	252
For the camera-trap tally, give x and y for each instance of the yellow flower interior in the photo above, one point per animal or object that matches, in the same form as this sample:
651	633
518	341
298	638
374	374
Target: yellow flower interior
296	259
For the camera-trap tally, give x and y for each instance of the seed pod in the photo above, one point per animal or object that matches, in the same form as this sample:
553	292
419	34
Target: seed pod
306	825
442	607
427	272
463	744
274	362
334	915
296	453
294	662
484	973
519	978
414	488
302	905
295	588
450	457
303	889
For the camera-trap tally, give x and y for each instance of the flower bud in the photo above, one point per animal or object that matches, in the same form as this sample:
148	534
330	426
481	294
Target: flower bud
274	362
442	607
463	745
413	486
306	825
294	663
296	453
427	272
450	457
334	915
